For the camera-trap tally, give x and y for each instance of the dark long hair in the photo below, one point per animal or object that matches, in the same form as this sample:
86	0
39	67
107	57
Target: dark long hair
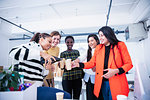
89	52
109	34
38	35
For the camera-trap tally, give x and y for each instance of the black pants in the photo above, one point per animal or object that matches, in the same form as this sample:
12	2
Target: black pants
100	96
73	86
90	91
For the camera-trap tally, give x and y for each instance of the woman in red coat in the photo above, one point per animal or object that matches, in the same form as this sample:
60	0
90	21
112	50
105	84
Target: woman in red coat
112	61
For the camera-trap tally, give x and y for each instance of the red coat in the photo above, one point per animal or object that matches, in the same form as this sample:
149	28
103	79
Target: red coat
118	83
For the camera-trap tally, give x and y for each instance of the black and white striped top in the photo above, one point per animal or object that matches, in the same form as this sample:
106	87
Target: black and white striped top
28	59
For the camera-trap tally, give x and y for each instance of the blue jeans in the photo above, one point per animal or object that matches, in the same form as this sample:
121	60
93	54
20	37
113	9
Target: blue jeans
106	90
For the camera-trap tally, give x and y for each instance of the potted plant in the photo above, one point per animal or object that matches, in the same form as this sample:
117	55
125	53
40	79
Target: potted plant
9	80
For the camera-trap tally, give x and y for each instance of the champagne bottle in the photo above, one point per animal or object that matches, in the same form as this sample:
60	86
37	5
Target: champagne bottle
56	59
53	61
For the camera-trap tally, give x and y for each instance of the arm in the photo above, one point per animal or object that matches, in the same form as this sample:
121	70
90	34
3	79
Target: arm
27	52
47	57
127	62
24	52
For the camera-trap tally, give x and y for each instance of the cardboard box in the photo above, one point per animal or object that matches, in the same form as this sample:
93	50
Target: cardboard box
1	68
29	94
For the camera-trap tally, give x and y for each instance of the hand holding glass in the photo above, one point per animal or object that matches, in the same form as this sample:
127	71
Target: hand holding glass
68	64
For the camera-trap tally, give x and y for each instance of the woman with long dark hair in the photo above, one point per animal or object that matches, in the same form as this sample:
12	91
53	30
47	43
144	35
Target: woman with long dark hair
28	57
89	76
112	61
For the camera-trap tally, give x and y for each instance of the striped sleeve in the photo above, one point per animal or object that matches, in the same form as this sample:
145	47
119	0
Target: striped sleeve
19	53
25	52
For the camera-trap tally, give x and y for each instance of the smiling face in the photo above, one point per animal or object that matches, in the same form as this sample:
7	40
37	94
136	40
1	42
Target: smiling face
103	39
55	40
45	43
92	42
69	43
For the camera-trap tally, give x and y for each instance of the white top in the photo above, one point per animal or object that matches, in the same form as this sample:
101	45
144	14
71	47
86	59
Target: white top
29	60
88	72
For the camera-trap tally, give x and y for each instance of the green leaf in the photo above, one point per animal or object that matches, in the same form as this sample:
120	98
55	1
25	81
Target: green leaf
2	75
5	83
9	78
10	67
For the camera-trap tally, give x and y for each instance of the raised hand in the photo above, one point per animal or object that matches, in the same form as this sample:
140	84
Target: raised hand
47	57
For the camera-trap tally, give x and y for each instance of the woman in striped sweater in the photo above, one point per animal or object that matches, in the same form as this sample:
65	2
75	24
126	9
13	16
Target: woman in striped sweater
28	57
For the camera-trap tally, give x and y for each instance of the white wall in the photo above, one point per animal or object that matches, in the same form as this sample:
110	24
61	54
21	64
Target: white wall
140	51
5	30
146	44
5	44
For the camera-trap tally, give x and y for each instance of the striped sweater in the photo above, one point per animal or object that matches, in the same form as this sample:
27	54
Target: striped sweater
28	60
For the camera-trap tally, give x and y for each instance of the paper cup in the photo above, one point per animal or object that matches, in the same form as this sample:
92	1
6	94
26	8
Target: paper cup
58	72
55	66
62	63
59	96
122	97
68	64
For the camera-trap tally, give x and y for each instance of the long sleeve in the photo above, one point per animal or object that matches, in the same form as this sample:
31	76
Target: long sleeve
28	58
26	51
126	59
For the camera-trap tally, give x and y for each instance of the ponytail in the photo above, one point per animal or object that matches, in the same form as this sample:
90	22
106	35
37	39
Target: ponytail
38	35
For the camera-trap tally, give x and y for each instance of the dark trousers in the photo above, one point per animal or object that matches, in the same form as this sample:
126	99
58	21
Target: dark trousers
90	91
100	96
73	87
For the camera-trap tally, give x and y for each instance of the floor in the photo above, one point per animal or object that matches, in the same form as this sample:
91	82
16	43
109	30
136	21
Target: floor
83	95
83	91
131	96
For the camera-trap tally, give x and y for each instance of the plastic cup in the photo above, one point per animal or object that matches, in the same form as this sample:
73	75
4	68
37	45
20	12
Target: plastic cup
59	96
68	64
122	97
